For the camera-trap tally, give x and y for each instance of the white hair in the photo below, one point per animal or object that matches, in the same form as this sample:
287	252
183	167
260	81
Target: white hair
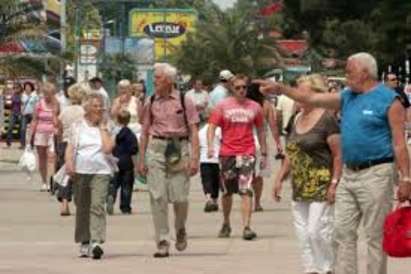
167	69
124	83
367	61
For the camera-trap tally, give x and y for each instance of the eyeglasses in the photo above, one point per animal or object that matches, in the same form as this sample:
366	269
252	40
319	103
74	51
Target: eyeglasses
240	87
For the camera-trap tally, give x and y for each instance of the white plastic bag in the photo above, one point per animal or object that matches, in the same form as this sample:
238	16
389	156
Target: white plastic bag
28	160
61	178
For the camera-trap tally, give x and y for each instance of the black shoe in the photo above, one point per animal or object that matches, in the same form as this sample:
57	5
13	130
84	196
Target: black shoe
162	249
248	234
225	231
96	251
208	206
214	207
181	242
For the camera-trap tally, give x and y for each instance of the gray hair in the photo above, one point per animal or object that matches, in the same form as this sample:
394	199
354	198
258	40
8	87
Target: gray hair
368	62
91	97
167	69
124	83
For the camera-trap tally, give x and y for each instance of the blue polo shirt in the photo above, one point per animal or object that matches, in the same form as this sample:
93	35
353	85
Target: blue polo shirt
365	130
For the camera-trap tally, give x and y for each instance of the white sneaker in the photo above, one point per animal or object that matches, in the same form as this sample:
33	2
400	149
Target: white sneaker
43	188
84	250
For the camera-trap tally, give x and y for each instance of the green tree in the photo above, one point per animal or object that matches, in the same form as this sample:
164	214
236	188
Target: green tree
17	23
232	41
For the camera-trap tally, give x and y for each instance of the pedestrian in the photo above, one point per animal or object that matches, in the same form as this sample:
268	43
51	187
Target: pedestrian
125	100
200	98
222	90
44	128
70	115
125	148
237	116
314	161
270	121
169	155
209	168
96	85
29	100
15	114
88	166
372	134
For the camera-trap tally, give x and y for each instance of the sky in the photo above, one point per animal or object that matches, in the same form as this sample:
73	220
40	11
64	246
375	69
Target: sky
225	3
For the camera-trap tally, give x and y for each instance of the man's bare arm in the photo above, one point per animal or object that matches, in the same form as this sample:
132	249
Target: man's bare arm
303	94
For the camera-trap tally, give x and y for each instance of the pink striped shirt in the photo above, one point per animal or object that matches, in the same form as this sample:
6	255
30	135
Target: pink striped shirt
44	118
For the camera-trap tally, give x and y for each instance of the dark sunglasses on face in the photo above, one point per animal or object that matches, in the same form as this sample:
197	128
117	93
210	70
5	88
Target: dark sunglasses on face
240	87
392	79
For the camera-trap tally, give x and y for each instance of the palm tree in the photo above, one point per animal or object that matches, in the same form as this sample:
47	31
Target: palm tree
228	40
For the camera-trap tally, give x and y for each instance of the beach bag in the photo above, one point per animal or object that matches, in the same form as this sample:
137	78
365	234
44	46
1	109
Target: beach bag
397	232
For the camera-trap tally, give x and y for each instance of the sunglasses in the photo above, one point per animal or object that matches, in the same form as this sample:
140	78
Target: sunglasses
240	87
393	79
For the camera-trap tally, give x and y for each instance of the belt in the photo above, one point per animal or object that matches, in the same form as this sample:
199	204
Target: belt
368	164
169	138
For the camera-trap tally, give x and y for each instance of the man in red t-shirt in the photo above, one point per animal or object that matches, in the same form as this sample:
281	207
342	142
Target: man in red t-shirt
237	116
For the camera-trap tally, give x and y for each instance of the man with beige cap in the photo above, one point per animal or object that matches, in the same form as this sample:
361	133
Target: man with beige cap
221	91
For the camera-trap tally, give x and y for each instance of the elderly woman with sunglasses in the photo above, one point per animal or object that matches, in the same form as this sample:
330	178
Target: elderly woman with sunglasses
87	163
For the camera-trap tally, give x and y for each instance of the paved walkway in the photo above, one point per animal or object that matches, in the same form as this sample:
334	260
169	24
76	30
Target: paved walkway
34	239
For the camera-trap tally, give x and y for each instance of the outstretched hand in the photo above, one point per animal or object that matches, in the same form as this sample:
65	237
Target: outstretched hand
268	86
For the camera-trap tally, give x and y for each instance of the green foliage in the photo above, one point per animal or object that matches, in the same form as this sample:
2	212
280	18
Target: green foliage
339	28
232	41
117	67
17	24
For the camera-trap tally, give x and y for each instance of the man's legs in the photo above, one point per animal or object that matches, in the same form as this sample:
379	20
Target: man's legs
258	191
246	209
375	200
347	219
12	122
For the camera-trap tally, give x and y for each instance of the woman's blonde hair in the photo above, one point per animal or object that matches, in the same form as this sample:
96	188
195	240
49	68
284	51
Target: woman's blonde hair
77	93
315	81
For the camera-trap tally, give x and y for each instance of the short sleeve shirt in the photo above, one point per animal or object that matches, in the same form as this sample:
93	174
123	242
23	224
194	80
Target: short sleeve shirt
311	159
166	116
237	120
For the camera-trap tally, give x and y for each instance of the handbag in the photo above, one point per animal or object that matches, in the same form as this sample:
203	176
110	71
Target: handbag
397	232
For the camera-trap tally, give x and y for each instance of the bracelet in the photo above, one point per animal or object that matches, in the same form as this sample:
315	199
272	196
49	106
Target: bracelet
264	154
335	181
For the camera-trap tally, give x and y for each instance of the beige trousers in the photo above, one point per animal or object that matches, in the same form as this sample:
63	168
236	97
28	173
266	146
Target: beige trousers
365	197
167	185
90	192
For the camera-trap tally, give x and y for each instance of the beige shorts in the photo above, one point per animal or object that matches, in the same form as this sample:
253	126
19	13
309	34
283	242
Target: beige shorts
44	140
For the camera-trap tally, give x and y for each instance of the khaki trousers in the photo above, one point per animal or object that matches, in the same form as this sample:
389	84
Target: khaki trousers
165	186
362	196
90	193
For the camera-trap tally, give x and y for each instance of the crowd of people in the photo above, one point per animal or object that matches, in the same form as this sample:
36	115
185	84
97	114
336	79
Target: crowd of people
343	151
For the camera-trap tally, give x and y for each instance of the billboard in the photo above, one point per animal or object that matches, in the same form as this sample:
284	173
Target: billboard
167	27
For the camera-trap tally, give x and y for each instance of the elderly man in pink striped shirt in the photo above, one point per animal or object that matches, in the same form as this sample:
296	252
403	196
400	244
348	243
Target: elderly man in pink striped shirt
170	126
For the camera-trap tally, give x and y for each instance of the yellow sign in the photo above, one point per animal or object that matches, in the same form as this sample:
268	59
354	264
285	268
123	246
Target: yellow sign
168	27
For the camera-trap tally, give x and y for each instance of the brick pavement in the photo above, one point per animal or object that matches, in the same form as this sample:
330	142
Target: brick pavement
34	239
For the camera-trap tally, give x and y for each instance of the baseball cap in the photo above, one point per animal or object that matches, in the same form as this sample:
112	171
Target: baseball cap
225	75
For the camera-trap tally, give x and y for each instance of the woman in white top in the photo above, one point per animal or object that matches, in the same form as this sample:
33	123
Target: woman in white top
126	101
88	149
72	113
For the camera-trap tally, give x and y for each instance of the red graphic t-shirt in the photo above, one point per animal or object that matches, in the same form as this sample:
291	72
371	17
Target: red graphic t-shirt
237	121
